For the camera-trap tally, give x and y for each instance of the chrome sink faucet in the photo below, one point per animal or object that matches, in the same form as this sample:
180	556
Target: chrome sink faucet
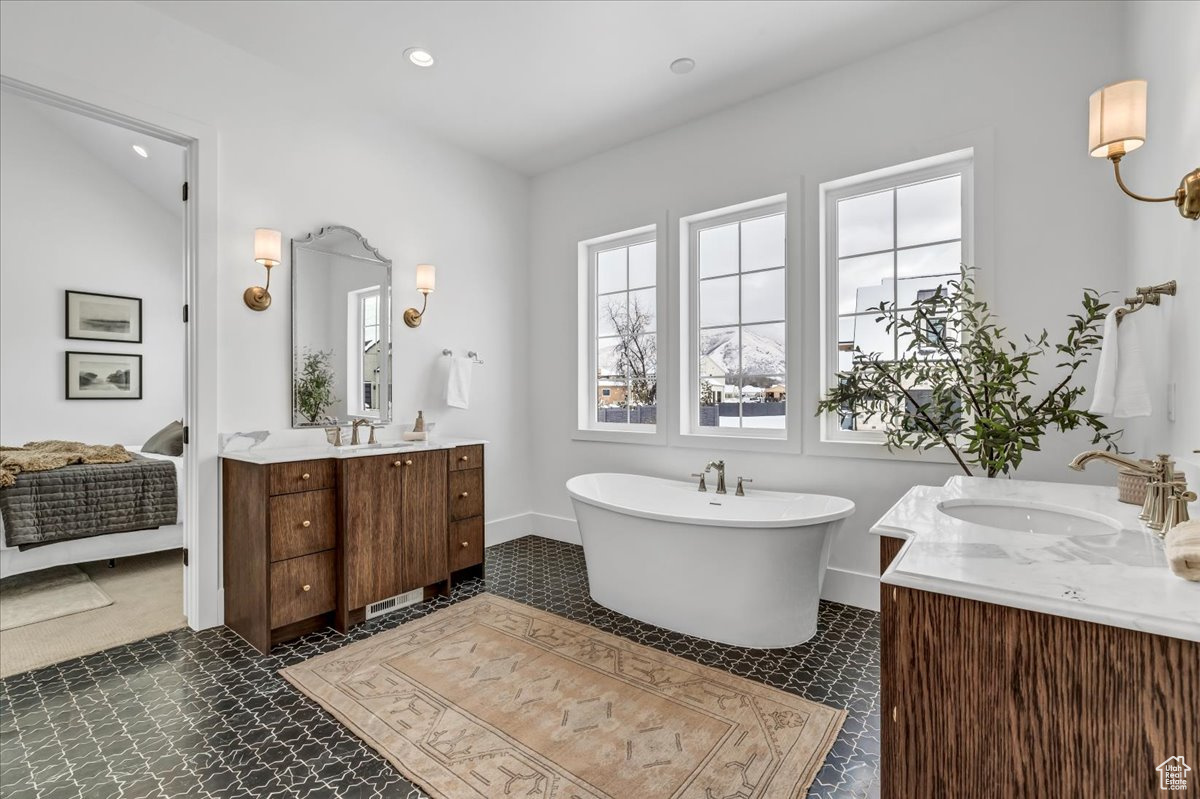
720	467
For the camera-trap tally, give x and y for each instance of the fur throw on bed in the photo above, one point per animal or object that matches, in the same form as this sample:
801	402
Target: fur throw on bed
42	456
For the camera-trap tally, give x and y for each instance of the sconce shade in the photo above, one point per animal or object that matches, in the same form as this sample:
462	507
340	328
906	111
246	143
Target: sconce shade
425	278
1117	119
268	246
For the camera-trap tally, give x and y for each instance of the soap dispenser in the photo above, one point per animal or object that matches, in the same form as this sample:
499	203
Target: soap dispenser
419	425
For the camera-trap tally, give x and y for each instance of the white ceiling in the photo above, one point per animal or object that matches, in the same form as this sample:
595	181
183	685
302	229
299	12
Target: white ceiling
160	176
535	84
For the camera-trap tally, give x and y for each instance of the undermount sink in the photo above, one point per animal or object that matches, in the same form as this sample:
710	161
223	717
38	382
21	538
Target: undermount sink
1028	517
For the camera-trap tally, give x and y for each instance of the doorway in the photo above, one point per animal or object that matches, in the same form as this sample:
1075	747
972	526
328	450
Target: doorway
99	271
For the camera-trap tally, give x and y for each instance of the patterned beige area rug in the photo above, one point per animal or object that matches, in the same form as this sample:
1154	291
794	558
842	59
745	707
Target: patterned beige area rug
492	698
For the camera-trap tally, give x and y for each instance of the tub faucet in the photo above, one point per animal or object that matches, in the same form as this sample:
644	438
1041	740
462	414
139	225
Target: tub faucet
720	467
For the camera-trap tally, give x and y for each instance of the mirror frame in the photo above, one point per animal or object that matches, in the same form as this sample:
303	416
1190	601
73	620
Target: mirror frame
311	243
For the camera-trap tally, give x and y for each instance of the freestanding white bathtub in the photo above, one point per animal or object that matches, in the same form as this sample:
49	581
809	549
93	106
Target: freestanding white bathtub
745	571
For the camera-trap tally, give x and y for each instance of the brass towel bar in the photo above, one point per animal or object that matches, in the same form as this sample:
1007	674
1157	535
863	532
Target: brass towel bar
1146	295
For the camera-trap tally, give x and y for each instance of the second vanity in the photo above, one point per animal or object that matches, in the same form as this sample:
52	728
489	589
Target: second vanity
315	535
1035	643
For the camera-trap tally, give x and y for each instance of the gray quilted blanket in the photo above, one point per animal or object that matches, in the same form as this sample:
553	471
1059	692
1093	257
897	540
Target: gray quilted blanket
85	500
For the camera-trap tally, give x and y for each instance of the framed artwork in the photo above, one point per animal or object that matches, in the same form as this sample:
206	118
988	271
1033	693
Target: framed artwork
104	317
104	375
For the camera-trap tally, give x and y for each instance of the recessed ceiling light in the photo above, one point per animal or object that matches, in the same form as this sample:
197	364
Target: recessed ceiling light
682	66
140	150
419	56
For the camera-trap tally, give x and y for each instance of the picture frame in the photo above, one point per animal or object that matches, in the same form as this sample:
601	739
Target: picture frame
103	317
103	376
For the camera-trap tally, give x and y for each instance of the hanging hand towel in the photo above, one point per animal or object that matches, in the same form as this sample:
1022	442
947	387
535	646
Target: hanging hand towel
458	383
1120	380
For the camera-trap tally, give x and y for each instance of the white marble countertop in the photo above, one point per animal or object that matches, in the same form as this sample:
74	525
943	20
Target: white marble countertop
307	452
1120	579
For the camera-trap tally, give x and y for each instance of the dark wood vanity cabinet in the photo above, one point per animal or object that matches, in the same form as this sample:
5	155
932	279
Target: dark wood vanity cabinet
985	701
312	543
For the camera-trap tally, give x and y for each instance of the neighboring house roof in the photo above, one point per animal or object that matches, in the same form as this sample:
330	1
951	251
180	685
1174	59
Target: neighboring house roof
711	366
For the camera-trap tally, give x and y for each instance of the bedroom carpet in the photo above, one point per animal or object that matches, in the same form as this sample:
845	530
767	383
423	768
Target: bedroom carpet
147	599
492	697
47	594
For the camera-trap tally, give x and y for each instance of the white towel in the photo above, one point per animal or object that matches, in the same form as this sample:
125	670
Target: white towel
1120	380
458	383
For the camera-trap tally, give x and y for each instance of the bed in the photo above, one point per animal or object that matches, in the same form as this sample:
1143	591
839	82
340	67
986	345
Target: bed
100	547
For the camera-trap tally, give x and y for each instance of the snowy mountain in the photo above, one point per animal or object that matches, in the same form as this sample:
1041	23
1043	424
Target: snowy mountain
761	355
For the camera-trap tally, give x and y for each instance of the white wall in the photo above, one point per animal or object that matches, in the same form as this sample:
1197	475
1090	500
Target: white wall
1048	225
297	160
1162	244
71	221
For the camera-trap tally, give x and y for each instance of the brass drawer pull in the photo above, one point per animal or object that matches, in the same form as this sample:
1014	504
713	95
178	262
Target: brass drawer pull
306	587
397	463
465	458
465	544
465	494
895	713
305	476
306	523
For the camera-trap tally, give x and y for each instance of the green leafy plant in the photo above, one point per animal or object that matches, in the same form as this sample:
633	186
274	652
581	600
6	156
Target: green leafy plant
312	385
961	382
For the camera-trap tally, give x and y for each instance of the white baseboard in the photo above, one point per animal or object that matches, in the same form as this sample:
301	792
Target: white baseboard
841	585
851	588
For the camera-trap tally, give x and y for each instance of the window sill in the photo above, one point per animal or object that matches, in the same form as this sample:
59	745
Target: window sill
652	437
738	442
876	450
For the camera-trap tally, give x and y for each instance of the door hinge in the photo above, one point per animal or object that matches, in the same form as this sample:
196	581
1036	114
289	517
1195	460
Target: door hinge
186	430
185	557
185	191
185	314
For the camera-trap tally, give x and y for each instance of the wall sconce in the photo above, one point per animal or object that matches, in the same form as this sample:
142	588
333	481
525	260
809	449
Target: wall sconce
268	251
425	282
1117	125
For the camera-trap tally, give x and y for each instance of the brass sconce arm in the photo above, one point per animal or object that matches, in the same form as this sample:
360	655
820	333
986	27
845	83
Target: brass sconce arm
412	317
1116	162
258	298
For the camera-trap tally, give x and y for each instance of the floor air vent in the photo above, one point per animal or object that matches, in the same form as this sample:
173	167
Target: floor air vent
395	603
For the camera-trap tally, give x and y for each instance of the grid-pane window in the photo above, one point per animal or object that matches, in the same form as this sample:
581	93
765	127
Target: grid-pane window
891	242
624	332
738	272
369	367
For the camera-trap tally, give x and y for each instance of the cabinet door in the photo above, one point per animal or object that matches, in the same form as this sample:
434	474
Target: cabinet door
423	515
371	505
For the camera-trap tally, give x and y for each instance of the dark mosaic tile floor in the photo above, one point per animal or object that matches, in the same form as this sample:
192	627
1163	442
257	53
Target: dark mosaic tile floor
191	714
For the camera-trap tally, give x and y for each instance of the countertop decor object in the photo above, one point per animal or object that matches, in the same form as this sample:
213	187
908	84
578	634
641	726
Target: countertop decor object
1182	545
1117	126
983	397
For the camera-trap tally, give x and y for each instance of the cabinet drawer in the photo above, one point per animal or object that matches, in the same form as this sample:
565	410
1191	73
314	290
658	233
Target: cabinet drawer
302	587
466	543
466	494
303	523
466	458
287	478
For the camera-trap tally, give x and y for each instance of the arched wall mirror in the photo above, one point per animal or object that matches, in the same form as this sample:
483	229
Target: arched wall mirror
341	329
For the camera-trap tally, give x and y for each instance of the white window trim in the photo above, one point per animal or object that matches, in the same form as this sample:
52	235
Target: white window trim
869	443
690	432
586	428
354	353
